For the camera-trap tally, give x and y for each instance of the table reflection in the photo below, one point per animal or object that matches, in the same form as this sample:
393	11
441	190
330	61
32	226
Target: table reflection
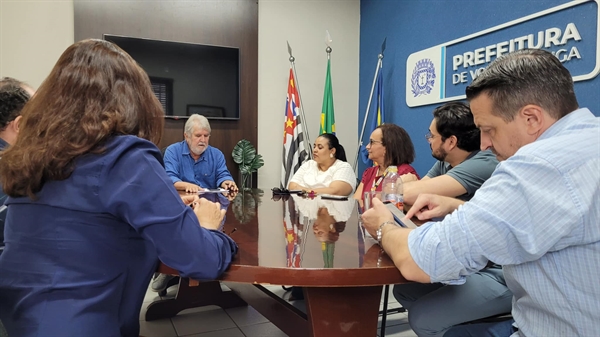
245	204
220	198
328	220
297	233
311	243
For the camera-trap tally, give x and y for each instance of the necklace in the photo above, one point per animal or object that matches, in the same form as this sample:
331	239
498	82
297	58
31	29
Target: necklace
377	181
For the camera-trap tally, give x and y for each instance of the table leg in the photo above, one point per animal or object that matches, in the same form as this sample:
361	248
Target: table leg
205	293
342	311
281	313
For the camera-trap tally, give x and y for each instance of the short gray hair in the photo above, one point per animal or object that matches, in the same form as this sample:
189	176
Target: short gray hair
196	120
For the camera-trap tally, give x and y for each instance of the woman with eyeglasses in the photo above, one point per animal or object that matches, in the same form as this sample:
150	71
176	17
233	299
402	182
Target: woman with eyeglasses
389	145
328	172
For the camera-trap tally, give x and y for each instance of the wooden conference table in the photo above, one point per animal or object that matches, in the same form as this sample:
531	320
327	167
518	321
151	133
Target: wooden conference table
316	244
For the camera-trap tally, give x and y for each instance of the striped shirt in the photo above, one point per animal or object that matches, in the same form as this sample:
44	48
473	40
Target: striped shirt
538	216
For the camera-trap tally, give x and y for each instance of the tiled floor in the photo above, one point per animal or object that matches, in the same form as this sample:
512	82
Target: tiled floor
212	321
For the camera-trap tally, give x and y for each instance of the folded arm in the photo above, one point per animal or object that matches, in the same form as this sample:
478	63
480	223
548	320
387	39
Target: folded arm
335	188
443	185
359	192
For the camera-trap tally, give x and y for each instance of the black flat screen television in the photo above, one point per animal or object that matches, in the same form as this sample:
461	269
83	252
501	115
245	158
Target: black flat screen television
188	78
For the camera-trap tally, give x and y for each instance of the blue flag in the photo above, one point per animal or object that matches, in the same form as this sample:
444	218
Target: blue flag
374	121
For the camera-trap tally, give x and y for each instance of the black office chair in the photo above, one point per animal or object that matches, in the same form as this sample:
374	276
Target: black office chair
383	313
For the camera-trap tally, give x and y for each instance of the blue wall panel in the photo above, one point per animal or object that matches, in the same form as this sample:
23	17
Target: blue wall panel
411	26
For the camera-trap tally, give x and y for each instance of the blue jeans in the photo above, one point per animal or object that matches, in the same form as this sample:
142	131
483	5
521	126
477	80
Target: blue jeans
434	308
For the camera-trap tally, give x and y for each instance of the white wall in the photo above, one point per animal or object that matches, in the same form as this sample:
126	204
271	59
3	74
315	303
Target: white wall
303	24
33	34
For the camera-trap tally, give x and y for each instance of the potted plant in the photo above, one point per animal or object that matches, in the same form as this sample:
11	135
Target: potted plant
244	154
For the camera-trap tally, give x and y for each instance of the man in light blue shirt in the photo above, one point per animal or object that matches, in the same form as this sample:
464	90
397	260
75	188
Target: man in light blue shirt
192	164
539	213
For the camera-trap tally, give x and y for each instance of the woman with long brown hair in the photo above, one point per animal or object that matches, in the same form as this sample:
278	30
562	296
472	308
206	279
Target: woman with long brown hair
91	209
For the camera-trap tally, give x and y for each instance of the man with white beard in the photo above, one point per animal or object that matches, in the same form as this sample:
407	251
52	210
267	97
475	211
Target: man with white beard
192	164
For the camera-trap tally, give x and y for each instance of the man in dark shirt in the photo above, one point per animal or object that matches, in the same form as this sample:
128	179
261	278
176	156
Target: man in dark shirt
461	167
460	170
13	96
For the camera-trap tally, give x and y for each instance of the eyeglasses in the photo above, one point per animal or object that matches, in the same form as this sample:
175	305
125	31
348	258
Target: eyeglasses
371	142
429	136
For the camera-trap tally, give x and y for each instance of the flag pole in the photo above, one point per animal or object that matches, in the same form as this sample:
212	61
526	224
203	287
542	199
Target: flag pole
302	116
327	122
362	131
366	117
328	41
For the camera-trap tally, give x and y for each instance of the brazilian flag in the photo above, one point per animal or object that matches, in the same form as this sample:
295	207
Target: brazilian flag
327	116
328	249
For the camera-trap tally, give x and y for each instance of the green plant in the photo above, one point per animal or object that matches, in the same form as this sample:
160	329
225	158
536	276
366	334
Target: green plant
244	154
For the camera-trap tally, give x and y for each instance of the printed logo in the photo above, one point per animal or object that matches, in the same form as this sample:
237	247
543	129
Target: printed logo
423	78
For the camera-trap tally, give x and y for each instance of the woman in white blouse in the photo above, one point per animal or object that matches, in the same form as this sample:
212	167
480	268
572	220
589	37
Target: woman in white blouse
328	172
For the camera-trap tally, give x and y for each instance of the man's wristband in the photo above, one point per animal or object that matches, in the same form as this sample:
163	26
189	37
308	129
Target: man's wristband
380	230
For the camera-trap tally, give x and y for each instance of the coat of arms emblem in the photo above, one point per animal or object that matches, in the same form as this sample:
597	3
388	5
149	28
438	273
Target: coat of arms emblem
423	78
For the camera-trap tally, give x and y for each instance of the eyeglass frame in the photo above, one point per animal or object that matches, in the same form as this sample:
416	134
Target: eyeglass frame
371	141
429	136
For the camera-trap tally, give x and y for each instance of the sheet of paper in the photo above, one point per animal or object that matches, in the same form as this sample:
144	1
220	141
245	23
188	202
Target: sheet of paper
213	190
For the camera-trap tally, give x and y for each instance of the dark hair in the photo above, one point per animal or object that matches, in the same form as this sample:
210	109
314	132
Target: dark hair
527	76
456	119
94	92
339	226
333	142
335	236
399	149
12	100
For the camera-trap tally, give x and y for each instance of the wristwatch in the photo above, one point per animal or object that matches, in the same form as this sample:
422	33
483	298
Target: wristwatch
379	231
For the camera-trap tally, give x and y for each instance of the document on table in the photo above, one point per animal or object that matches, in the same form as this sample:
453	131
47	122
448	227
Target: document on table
213	190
